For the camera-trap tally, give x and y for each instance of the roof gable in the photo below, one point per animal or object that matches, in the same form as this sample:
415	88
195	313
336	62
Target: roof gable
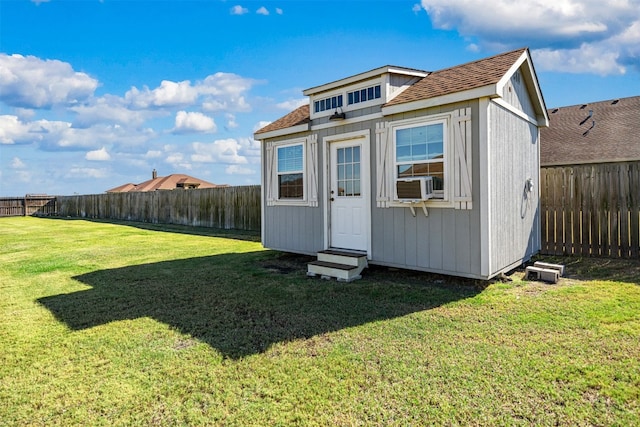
169	182
604	131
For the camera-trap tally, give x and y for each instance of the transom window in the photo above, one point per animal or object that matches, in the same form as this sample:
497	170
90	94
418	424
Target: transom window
419	151
348	164
328	104
290	172
363	95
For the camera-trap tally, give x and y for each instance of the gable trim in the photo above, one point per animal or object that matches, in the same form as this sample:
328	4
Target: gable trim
502	103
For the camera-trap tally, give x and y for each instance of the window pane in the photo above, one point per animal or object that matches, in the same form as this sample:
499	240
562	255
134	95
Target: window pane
348	155
363	95
405	171
434	133
290	186
349	189
356	188
356	154
350	96
435	150
403	153
356	171
419	152
340	155
316	106
377	91
349	171
370	93
334	102
290	158
339	100
356	97
341	172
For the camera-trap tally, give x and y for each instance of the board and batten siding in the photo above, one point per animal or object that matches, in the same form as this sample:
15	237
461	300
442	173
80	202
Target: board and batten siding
447	240
515	93
514	226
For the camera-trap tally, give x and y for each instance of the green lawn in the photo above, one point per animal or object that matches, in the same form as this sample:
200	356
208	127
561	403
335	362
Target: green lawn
134	324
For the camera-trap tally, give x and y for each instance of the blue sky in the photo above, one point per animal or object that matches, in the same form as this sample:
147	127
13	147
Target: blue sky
95	94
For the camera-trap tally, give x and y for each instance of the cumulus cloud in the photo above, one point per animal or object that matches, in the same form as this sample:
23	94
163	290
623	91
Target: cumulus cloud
100	155
112	110
239	10
219	151
592	36
231	121
279	11
262	11
178	161
194	122
30	82
168	94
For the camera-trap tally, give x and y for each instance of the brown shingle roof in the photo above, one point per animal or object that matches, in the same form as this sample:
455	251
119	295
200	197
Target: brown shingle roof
459	78
571	139
298	116
468	76
169	182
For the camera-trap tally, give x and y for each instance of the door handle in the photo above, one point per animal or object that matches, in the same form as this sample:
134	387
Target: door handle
331	199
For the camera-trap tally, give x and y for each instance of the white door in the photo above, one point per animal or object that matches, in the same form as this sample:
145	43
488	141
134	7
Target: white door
349	194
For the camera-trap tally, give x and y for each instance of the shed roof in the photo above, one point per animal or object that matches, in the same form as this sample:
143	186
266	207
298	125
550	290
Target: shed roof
604	131
487	72
463	77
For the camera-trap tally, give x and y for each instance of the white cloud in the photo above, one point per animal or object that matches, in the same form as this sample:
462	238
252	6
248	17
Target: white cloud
292	104
592	36
220	151
225	91
79	172
31	82
153	154
194	122
98	155
178	161
262	11
16	163
239	10
239	170
279	11
168	94
110	109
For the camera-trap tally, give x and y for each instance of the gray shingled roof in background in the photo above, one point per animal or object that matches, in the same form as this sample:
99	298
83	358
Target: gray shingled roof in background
573	138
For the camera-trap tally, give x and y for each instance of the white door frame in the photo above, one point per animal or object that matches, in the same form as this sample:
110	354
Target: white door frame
365	169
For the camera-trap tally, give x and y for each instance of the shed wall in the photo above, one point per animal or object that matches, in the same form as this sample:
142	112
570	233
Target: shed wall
515	217
448	240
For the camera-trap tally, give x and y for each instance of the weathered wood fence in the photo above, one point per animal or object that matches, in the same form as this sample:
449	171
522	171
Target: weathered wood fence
28	205
591	210
228	207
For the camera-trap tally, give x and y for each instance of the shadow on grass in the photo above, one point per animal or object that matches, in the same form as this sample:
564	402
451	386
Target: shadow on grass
240	304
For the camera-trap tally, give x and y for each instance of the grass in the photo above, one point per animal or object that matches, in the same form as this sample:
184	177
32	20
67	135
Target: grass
135	324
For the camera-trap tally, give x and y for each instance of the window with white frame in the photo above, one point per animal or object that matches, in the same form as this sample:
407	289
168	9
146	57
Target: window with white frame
420	151
364	95
290	161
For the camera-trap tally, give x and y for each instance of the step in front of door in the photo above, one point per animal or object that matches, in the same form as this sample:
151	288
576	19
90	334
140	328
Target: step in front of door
327	270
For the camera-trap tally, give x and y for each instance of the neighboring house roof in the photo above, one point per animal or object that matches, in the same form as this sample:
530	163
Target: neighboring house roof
604	131
482	78
170	182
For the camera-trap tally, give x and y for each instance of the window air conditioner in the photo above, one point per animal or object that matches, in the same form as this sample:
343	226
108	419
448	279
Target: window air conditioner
417	188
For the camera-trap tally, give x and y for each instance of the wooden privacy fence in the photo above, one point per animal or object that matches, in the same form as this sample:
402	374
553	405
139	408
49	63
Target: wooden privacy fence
227	207
28	205
591	210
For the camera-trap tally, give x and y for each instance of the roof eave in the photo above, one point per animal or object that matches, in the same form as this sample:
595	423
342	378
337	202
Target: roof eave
281	132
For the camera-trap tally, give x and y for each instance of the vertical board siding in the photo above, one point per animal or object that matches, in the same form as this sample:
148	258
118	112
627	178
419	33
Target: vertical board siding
514	212
227	208
591	210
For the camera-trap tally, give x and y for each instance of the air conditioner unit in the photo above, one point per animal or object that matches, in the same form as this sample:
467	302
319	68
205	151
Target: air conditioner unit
417	188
